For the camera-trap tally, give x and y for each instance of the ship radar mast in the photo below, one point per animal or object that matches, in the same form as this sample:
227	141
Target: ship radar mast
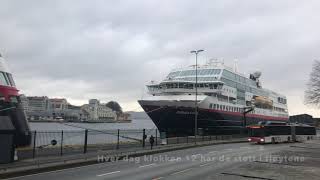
255	76
235	65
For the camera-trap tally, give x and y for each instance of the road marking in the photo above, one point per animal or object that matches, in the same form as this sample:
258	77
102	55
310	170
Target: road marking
246	147
147	165
205	164
174	159
157	178
229	149
213	152
114	172
181	171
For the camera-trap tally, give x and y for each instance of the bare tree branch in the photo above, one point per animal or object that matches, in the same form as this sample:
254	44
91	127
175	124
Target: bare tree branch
312	94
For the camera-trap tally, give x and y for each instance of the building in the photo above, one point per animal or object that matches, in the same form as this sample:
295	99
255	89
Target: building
24	102
74	113
38	103
43	108
57	104
123	117
302	119
57	107
37	107
98	111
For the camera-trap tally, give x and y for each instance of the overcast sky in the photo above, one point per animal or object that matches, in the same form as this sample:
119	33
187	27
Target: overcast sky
110	49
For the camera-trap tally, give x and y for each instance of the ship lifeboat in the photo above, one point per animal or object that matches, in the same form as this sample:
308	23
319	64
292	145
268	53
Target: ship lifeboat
261	101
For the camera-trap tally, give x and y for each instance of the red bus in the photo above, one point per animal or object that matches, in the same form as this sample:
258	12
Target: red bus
280	132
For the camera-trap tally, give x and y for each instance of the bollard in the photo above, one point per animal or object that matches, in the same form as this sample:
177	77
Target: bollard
156	137
144	138
61	144
85	141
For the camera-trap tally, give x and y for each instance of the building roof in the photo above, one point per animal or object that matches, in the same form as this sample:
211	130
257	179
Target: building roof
37	97
301	115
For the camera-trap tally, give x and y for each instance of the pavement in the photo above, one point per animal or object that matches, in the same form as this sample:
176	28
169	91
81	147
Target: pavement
220	161
57	162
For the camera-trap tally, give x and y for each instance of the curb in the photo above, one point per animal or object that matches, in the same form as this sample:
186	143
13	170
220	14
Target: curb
91	161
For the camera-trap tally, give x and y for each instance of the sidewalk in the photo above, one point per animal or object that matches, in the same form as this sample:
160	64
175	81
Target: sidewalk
298	161
43	164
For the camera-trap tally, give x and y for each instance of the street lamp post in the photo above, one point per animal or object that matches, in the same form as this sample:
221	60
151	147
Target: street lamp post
196	52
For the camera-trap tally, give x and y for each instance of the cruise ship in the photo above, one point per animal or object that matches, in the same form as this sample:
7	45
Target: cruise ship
223	98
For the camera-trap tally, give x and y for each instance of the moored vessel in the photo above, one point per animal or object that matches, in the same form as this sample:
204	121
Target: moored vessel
10	105
223	95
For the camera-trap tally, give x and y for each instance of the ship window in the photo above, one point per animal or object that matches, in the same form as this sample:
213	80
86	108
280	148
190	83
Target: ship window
3	79
210	106
14	99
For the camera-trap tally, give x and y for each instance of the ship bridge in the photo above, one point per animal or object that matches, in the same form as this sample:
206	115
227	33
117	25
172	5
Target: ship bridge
183	81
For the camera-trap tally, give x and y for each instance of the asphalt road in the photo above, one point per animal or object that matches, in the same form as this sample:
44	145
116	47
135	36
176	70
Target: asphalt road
209	162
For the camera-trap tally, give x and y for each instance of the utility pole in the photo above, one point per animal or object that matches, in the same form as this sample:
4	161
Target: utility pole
196	52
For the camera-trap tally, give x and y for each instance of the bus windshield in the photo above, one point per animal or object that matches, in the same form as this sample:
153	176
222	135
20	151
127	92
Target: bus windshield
256	132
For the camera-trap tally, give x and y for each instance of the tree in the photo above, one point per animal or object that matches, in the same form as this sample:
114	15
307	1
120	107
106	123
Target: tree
114	106
312	94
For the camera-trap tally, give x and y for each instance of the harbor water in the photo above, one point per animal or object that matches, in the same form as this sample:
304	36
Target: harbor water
98	133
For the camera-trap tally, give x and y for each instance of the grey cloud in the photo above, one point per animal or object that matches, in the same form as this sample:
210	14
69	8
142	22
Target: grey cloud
110	49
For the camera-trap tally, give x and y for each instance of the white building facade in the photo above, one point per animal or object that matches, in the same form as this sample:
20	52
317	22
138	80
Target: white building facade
99	112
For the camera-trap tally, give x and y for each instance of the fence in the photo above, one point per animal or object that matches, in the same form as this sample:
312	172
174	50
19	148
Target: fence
59	143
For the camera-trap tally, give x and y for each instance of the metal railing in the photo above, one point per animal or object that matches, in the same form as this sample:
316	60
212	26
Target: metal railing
67	142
